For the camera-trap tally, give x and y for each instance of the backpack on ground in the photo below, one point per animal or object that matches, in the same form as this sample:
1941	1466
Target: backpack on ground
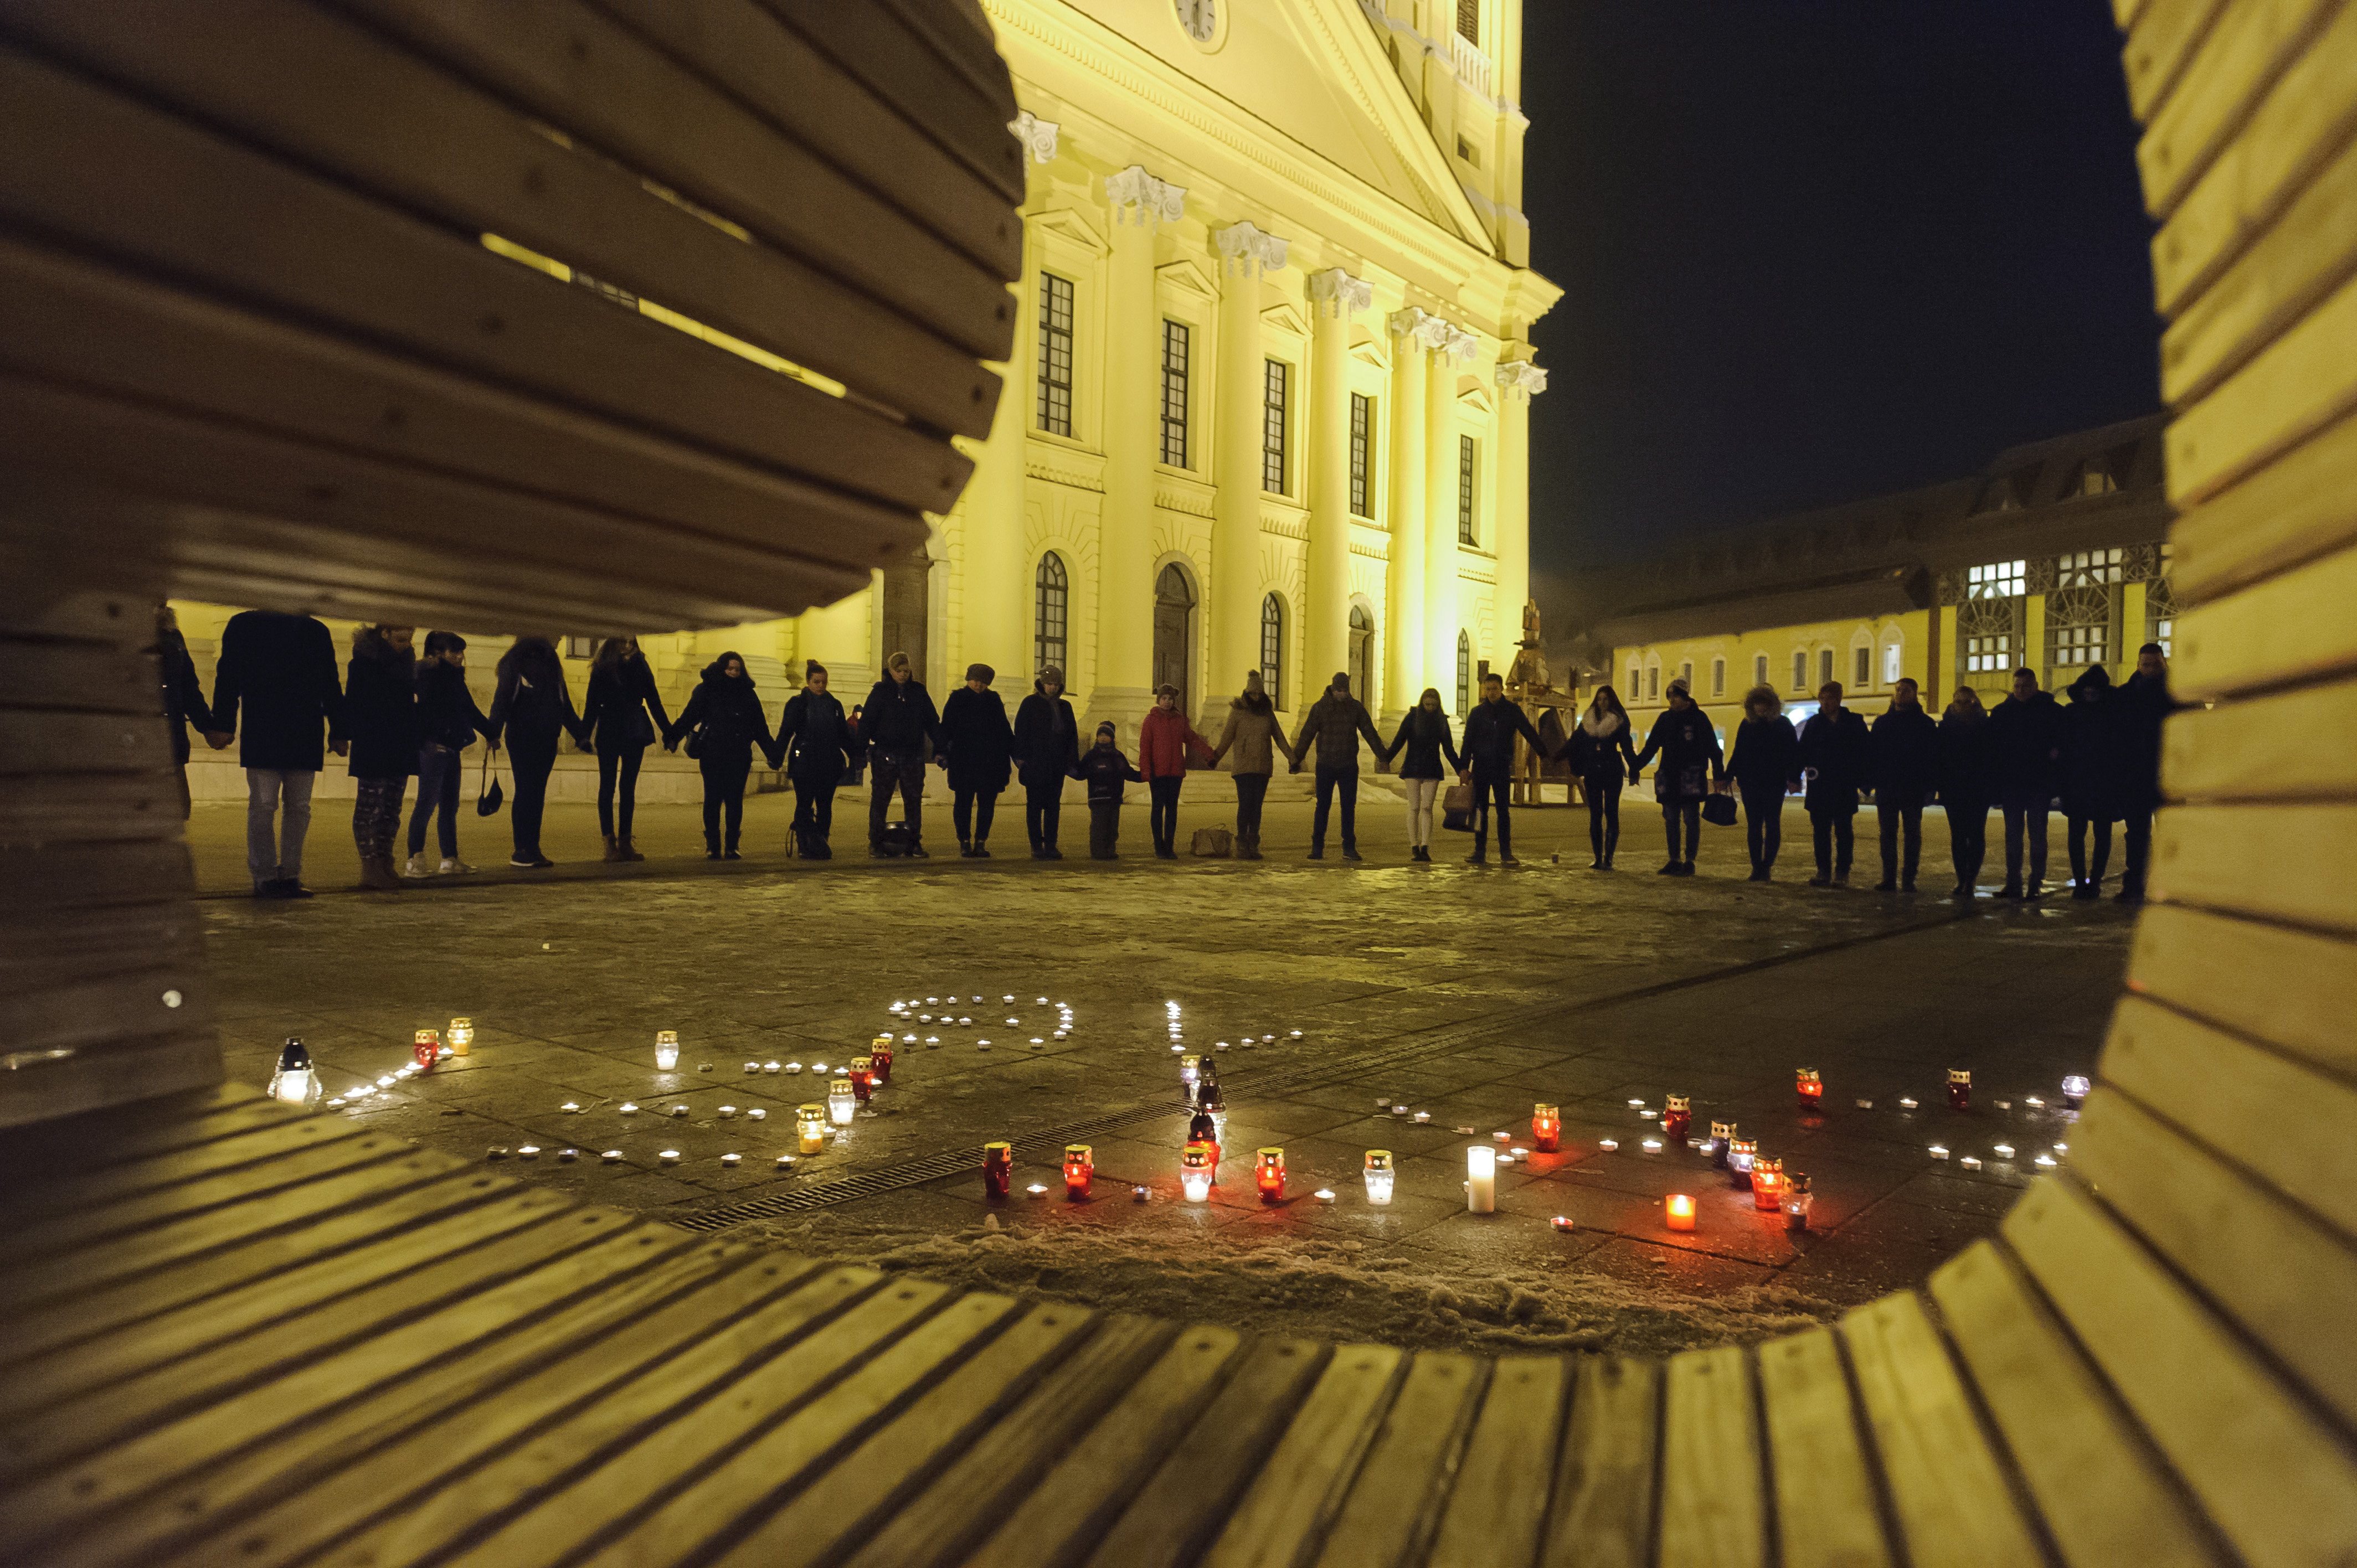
1214	843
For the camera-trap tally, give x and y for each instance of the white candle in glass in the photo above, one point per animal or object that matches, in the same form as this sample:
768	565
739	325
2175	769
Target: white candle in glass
1481	1179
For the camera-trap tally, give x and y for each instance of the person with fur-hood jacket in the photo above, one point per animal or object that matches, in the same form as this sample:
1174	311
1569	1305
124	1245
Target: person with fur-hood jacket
1047	752
1164	740
1763	759
381	721
1602	750
722	723
1105	769
1424	737
1256	739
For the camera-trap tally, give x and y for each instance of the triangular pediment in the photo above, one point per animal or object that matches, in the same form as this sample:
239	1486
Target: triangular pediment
1189	277
1074	223
1285	318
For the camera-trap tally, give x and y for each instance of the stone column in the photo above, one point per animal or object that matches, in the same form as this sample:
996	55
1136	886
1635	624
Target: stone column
1335	296
1132	389
1413	335
1519	380
1233	608
1444	613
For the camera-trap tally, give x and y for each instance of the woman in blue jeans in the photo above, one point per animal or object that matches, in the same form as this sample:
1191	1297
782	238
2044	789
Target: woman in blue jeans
448	723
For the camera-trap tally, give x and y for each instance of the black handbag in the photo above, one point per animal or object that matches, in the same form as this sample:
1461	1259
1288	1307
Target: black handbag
493	792
1718	810
1456	809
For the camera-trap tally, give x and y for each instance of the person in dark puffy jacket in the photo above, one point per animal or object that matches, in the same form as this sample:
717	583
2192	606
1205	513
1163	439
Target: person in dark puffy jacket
530	707
1047	753
381	723
1104	770
2090	768
1424	740
1488	756
448	723
616	714
1763	759
898	721
1902	750
1966	766
1833	761
981	748
1603	752
1336	722
2143	705
725	721
1692	763
819	742
2026	735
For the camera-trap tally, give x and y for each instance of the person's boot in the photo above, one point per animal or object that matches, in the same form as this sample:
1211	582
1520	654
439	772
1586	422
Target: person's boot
2012	890
965	847
712	846
1906	883
1350	852
730	852
1611	846
629	848
917	850
613	849
1888	884
981	850
378	876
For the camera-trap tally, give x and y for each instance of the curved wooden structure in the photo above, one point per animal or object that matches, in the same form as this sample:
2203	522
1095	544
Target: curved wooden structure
236	1336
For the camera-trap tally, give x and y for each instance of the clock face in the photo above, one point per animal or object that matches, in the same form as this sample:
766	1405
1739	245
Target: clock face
1200	17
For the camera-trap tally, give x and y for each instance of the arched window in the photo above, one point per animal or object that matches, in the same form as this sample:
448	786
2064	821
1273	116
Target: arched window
1363	654
1464	673
1272	649
1051	602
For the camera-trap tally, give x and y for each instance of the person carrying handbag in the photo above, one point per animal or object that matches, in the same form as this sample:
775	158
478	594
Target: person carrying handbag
1691	765
532	708
615	713
722	723
448	723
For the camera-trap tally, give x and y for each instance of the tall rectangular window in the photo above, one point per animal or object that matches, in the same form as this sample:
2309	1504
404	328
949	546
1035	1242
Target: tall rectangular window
1362	435
1174	341
1055	354
1469	21
1468	457
1801	670
1274	426
1824	666
1861	674
1718	677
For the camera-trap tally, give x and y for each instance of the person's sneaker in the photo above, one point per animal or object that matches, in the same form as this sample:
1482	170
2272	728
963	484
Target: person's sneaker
1821	880
1669	868
1964	890
266	890
452	866
918	851
981	851
1907	884
2033	891
1841	878
730	854
289	887
523	862
1053	854
1596	863
1477	858
875	852
1759	874
1348	853
1886	885
417	867
1317	853
1503	860
2128	896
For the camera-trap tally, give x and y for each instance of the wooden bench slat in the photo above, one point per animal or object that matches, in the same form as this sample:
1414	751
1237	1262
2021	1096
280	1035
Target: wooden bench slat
997	1473
2163	38
314	86
1194	1487
1077	1498
2278	1485
1395	1503
1826	1512
2295	990
259	1145
2202	856
1296	1492
1948	1488
110	1013
55	806
2235	644
2247	750
2230	74
68	1144
118	871
82	679
2299	508
1603	1510
1713	1507
2290	391
1497	1509
878	1481
2103	1495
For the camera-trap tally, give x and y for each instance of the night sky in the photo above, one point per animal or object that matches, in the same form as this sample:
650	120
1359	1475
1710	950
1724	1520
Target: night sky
1817	250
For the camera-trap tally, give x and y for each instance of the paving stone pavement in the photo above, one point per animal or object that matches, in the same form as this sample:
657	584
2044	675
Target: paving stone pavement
1466	994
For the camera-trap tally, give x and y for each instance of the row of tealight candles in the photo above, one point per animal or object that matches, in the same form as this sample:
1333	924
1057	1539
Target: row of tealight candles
296	1081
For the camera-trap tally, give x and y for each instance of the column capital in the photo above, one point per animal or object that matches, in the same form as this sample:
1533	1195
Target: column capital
1038	136
1247	246
1521	376
1420	329
1460	345
1347	294
1153	200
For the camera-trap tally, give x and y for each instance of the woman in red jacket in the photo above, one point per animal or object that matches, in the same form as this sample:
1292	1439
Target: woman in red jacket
1162	742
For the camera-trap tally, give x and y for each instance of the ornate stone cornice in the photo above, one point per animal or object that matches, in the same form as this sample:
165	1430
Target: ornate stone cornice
1247	246
1038	136
1153	200
1521	376
1420	329
1345	295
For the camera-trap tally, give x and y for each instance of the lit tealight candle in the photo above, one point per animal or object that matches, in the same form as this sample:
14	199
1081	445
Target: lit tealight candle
1905	1104
568	1155
1866	1105
785	1162
1652	1145
1939	1152
1481	1179
773	1067
570	1108
1561	1222
2004	1151
1607	1145
727	1113
1970	1162
732	1161
758	1114
2045	1162
1678	1212
679	1110
528	1152
627	1108
2033	1102
612	1157
1636	1104
668	1156
1424	1116
792	1069
1324	1195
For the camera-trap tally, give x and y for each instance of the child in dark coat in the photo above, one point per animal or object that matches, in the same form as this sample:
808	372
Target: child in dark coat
1105	771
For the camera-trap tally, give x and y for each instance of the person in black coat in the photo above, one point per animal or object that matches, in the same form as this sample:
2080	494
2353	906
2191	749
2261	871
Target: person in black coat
381	723
1105	771
2142	705
981	748
1691	763
1764	760
1047	752
448	723
1833	759
1488	756
616	714
2090	777
532	707
1902	751
1965	765
1603	751
184	697
819	742
1424	740
2026	733
900	720
724	720
275	686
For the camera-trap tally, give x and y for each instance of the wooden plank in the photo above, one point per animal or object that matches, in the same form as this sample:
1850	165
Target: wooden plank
2250	751
82	678
314	86
2301	508
1713	1507
2231	73
1826	1512
2282	395
2105	1497
258	1144
1394	1505
1289	1504
1000	1472
136	1131
52	807
2165	35
104	743
2232	644
955	104
877	1482
1497	1512
109	1013
1193	1489
128	871
88	1081
2274	1117
2278	1484
590	78
1603	1510
309	1484
2203	855
267	233
588	1418
1078	1497
2295	990
1948	1490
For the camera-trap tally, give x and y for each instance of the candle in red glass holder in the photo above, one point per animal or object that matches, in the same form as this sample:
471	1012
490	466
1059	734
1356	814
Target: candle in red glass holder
1678	1212
1960	1088
1676	1117
1798	1201
1767	1184
1196	1164
880	1052
1268	1170
1547	1128
1203	1128
997	1169
1809	1087
428	1046
862	1078
1080	1168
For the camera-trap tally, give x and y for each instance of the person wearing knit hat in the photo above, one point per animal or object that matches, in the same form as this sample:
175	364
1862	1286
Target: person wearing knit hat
979	746
898	721
1164	740
1105	769
821	742
1336	723
1047	754
1255	737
